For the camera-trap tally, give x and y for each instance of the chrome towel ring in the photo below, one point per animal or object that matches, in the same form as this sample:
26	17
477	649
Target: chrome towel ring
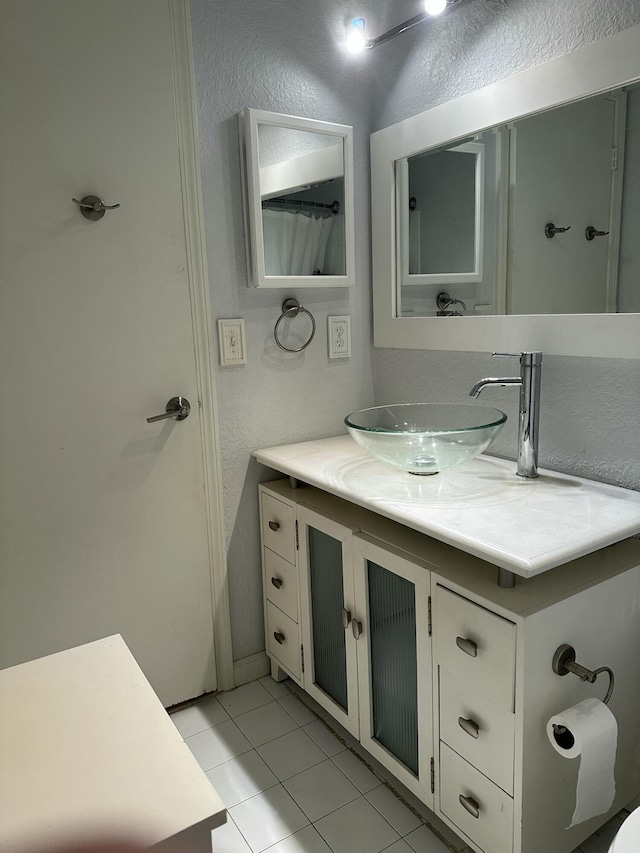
291	308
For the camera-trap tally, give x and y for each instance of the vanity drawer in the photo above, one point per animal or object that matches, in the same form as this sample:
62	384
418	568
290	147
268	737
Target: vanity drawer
476	645
281	583
490	826
278	527
479	730
283	639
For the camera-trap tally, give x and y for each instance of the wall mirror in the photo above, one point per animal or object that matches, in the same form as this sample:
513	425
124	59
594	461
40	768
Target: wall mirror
508	219
298	200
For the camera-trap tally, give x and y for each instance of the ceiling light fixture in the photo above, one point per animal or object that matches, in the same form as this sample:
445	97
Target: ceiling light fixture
356	37
435	7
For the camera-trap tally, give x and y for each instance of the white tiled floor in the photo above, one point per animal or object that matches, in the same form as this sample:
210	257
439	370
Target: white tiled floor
291	786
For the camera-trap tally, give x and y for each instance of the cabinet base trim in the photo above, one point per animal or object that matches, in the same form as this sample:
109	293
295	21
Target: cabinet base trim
250	668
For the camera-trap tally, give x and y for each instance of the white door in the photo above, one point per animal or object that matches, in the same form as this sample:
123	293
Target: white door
561	173
103	516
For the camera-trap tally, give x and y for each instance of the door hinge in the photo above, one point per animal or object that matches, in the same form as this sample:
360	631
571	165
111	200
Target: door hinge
433	776
429	622
302	656
297	537
614	159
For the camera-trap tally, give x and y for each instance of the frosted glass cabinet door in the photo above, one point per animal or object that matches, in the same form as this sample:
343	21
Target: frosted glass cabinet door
394	663
327	600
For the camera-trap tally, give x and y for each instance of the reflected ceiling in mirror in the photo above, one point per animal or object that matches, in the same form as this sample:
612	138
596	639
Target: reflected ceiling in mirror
298	200
556	230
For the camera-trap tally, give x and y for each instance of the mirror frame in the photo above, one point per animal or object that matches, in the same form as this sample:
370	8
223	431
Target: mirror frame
591	70
249	120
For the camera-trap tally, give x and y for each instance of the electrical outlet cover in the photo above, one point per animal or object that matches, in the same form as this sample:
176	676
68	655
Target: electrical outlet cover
339	336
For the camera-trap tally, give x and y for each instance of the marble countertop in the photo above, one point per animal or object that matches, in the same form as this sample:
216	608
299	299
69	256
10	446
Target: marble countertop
481	507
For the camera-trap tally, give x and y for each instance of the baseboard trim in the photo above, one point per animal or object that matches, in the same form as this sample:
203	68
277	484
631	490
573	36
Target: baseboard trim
250	668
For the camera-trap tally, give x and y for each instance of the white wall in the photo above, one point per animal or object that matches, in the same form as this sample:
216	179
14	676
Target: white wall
590	412
279	55
284	55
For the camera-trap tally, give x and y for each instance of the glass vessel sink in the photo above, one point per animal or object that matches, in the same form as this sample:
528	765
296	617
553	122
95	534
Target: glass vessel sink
425	438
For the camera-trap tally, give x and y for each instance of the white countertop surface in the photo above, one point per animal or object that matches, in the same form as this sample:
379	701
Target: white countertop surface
87	750
481	507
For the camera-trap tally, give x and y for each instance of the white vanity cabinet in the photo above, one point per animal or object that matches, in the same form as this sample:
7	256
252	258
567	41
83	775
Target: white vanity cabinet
446	677
365	632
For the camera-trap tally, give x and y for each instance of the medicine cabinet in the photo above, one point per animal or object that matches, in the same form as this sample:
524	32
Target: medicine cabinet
298	200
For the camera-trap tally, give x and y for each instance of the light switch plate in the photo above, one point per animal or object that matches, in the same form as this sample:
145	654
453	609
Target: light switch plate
231	337
339	336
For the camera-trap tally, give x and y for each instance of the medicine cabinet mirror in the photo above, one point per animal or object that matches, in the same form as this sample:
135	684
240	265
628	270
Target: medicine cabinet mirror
298	194
440	242
516	206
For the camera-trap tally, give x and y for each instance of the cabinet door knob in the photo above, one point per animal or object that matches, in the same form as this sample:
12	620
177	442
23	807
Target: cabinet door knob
469	726
356	627
467	646
470	805
274	525
277	582
346	618
278	637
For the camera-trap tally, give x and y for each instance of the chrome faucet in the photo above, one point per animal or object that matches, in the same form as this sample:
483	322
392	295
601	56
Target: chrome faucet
529	417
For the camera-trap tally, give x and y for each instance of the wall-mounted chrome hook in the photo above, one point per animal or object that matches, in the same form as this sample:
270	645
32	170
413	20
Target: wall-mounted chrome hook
93	208
592	232
550	230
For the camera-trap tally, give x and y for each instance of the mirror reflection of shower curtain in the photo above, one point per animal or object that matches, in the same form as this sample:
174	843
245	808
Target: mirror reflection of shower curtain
294	243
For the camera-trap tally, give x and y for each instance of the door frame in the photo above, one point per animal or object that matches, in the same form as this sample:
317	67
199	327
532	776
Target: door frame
193	211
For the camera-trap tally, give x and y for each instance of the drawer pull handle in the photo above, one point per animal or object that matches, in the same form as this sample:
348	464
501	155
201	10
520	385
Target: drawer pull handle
274	525
278	637
356	627
277	582
346	618
469	726
470	805
467	646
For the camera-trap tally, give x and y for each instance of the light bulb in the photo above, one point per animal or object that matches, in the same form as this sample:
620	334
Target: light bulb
355	36
435	7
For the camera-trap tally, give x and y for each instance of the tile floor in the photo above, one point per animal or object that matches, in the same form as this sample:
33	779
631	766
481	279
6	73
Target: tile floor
291	786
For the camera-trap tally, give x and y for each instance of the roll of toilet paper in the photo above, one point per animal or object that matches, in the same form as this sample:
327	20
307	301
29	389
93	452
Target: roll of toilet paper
588	731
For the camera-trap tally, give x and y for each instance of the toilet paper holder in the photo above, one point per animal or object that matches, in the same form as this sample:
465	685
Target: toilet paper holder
564	662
